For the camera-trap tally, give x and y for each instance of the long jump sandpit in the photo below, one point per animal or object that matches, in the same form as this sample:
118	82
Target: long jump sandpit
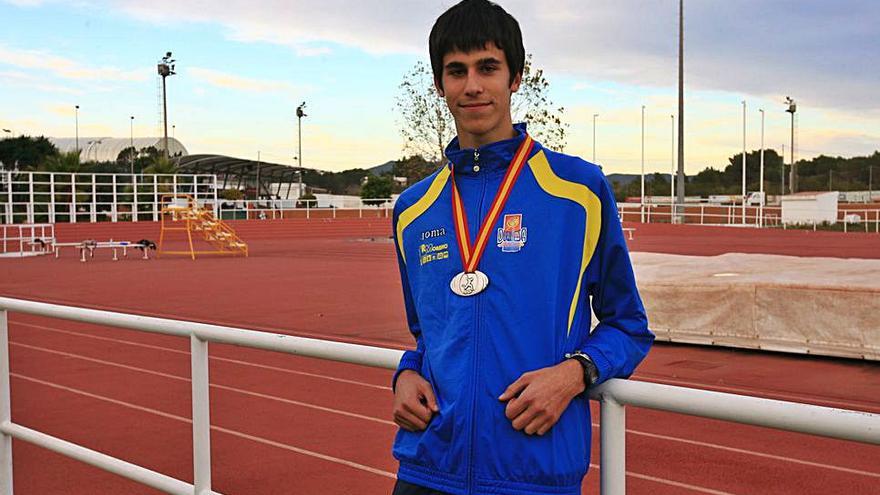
826	306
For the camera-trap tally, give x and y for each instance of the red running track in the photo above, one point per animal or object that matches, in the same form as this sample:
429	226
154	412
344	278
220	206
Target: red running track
294	425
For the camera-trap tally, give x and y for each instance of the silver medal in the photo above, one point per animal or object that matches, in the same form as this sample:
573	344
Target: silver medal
468	284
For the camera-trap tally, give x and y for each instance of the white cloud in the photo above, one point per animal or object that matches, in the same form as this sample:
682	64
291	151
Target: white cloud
815	50
62	67
236	82
30	81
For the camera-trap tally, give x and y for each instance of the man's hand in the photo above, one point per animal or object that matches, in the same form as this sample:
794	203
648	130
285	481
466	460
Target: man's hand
537	399
414	402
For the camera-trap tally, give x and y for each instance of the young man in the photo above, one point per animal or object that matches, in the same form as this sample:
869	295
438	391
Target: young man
499	254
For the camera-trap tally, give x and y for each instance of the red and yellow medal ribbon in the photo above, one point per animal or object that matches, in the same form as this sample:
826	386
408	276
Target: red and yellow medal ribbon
470	255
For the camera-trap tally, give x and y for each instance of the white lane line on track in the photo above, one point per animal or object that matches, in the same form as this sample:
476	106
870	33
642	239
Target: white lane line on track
813	399
213	385
750	452
213	358
391	423
236	433
291	448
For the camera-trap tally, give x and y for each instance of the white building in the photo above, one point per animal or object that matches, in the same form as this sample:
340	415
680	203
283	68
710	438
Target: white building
107	149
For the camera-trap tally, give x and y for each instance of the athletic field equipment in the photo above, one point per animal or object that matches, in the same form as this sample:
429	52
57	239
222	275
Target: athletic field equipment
90	245
180	212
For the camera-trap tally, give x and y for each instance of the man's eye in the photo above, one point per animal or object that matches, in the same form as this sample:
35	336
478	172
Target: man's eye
489	68
455	72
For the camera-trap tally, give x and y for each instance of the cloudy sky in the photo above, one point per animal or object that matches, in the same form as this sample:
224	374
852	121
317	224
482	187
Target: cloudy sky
244	66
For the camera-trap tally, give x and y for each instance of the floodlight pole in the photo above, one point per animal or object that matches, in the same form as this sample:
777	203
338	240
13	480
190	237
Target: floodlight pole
744	166
792	108
680	186
166	68
783	173
300	113
761	204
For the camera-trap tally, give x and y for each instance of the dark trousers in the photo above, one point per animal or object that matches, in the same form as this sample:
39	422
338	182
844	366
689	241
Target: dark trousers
404	488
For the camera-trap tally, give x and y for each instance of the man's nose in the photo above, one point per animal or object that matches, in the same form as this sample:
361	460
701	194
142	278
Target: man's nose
473	86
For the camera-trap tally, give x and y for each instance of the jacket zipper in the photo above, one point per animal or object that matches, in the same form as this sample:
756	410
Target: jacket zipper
476	337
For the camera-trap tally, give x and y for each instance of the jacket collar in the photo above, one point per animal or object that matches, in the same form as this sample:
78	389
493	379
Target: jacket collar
492	157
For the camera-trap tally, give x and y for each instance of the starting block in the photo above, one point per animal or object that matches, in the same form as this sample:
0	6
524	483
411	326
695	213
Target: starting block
629	231
89	246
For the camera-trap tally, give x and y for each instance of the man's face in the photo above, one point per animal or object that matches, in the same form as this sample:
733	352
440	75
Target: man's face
477	89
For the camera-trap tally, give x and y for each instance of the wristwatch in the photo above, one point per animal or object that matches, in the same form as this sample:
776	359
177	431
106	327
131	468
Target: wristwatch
591	373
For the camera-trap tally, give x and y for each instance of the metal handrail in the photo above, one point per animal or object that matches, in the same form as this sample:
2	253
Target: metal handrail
613	395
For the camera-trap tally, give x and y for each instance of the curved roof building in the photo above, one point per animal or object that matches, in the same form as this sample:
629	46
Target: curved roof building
107	149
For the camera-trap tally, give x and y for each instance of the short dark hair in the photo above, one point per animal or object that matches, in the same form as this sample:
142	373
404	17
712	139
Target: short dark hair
471	24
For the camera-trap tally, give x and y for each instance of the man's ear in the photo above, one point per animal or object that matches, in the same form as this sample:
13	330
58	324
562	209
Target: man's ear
439	88
517	81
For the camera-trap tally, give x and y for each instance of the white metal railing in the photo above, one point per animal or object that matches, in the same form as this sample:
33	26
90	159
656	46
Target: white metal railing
613	395
55	197
853	219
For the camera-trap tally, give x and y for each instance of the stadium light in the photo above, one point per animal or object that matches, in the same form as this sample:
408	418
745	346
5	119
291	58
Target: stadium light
166	68
300	113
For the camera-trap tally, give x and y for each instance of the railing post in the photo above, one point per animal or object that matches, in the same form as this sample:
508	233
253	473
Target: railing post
201	415
5	408
613	447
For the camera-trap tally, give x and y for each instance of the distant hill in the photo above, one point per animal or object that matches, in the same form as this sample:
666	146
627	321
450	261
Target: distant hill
385	168
626	179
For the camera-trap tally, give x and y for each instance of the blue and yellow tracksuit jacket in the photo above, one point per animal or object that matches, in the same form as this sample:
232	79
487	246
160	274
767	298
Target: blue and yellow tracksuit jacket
557	243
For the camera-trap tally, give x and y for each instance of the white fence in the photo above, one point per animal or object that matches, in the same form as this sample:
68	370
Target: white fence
614	395
52	197
853	219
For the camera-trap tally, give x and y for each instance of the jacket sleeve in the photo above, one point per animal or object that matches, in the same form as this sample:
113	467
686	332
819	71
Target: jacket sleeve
411	359
621	339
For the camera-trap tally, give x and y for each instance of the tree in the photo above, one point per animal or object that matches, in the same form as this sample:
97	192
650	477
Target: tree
414	168
377	188
25	152
62	162
427	126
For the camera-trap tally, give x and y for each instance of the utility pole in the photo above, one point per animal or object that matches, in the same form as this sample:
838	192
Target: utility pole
300	113
594	136
761	204
672	173
166	68
131	144
643	164
76	116
744	166
792	108
680	186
